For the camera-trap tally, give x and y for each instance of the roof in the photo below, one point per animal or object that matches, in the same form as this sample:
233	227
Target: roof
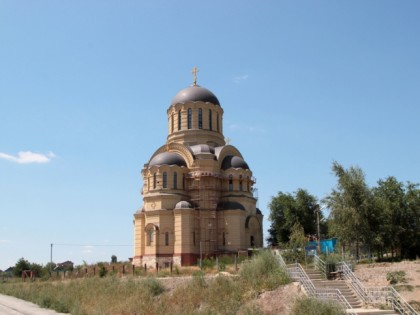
167	158
195	93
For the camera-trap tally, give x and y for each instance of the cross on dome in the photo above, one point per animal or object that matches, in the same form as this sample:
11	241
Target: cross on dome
194	72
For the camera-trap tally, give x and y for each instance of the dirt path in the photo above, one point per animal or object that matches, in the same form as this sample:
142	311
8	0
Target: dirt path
10	305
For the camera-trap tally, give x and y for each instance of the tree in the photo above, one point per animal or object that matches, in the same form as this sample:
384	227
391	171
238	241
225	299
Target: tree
352	215
113	259
21	265
288	209
410	247
389	198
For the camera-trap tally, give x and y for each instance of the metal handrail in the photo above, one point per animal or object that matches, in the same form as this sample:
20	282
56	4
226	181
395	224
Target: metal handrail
377	295
320	265
297	273
354	282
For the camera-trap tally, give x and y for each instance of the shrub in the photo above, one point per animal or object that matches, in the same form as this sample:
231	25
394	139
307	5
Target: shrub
263	272
310	306
395	277
153	286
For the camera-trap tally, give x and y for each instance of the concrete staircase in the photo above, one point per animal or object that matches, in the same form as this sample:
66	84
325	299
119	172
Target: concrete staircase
320	282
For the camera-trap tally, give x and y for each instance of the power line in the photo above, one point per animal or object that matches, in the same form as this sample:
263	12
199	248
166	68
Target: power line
98	245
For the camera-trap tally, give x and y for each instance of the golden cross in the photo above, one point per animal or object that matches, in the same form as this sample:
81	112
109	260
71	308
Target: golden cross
194	72
228	141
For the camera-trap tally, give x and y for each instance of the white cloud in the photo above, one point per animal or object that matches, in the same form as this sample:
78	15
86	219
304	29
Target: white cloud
28	157
240	78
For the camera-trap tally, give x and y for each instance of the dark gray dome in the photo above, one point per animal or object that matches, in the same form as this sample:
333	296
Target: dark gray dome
234	162
230	205
167	158
195	93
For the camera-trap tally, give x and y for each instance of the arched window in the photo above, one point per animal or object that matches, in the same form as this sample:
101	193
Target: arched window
247	184
240	183
189	120
154	180
210	120
230	183
172	123
175	180
151	236
165	180
200	118
179	120
217	122
166	238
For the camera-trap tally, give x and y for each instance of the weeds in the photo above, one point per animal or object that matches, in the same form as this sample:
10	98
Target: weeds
395	277
310	306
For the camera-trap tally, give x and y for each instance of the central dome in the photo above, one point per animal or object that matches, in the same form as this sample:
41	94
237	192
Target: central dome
195	93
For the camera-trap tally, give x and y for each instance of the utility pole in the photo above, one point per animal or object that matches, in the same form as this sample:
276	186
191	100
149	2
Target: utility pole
317	211
51	257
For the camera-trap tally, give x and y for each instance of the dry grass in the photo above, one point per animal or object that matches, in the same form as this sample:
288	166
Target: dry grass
199	294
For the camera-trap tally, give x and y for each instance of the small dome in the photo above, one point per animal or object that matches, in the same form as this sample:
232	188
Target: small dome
230	205
234	162
183	205
167	158
195	93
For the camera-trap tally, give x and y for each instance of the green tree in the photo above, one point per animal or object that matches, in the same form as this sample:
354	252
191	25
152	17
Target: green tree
287	209
21	265
352	214
297	244
389	199
113	259
410	247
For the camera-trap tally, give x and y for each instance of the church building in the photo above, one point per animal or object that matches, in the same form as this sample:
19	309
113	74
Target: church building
197	189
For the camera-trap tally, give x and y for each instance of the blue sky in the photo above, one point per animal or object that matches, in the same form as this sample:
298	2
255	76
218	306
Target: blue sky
83	83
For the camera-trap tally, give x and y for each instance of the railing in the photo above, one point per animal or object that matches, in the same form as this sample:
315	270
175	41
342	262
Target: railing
379	295
297	273
320	265
353	281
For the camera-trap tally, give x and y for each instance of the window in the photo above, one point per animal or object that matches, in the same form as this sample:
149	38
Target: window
240	183
183	181
179	120
224	239
154	180
247	184
172	123
230	183
217	122
200	118
165	180
252	241
194	238
189	118
151	236
166	238
210	120
175	180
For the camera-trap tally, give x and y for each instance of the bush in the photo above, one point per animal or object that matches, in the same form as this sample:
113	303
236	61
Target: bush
153	286
310	306
395	277
263	272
